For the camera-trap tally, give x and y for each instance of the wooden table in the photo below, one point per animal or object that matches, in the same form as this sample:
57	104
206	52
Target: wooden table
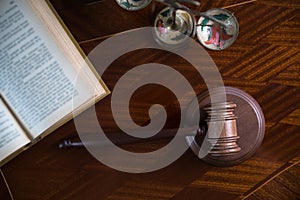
264	62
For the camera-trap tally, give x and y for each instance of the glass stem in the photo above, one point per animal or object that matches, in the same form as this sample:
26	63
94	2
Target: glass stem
173	18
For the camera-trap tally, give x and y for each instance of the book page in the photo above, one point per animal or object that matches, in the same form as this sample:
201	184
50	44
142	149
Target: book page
12	137
36	79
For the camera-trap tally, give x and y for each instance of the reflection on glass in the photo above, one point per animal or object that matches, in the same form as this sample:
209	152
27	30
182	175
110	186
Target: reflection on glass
215	36
174	27
133	5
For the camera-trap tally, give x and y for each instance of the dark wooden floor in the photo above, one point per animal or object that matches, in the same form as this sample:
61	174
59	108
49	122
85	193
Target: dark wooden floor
264	61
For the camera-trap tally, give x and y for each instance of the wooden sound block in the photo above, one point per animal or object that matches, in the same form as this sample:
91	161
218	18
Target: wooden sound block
250	126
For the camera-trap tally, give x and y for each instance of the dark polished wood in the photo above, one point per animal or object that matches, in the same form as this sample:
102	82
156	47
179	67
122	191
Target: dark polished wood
264	62
4	190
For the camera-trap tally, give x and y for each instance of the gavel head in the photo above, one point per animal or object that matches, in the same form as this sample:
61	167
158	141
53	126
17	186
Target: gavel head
226	142
235	127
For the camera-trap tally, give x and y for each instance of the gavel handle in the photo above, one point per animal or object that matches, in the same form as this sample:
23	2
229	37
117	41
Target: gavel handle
120	138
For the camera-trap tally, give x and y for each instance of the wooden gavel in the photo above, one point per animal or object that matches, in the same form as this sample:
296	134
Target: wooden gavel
225	143
231	141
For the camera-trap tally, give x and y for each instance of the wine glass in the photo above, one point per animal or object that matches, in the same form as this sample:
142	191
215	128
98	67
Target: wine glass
174	26
175	23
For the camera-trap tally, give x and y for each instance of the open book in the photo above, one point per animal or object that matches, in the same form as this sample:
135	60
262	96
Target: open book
44	76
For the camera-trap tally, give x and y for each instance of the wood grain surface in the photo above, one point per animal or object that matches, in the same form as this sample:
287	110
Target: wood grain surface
264	62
